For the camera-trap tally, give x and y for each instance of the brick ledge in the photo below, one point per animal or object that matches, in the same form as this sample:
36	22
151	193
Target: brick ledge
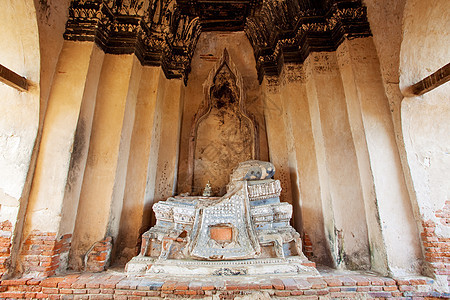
116	285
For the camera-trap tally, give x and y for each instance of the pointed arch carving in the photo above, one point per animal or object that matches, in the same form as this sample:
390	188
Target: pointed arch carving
224	77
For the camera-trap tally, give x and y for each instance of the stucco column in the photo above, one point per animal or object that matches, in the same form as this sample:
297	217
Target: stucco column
136	210
303	163
164	165
274	114
345	222
61	159
105	175
385	193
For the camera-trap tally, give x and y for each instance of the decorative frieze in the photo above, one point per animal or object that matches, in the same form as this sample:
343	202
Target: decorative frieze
287	31
165	32
156	32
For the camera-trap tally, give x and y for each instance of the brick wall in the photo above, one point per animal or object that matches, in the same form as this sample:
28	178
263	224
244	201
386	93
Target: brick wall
97	258
108	285
5	245
307	246
437	248
42	251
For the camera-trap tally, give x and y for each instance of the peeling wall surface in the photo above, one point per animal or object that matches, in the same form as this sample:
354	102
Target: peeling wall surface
425	122
19	110
102	134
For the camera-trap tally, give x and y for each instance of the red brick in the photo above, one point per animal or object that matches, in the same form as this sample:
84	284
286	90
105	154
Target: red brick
406	288
418	281
230	285
376	281
317	283
303	284
195	285
153	293
207	287
14	295
289	283
332	281
282	293
277	284
254	286
179	292
46	290
30	295
41	296
388	281
169	285
296	293
347	281
51	282
243	286
112	282
139	293
101	297
20	281
361	280
266	285
182	286
390	288
68	281
309	292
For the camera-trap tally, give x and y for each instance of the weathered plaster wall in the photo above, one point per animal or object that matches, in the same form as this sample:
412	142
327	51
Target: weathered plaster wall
208	51
426	123
19	110
20	114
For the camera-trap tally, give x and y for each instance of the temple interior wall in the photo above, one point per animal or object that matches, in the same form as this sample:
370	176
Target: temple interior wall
208	51
364	163
427	143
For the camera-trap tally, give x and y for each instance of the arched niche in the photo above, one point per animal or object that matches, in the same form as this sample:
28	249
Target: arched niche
223	133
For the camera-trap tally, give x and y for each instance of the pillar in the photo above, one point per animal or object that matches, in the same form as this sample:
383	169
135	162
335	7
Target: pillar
274	113
304	165
60	163
136	210
104	179
385	193
345	222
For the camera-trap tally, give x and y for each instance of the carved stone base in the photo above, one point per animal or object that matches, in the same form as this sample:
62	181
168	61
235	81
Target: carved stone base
144	265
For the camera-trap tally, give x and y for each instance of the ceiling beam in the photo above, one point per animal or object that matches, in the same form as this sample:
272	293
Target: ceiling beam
431	82
13	79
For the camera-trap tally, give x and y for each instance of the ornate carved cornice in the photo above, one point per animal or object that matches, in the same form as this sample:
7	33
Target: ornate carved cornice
165	32
288	30
154	30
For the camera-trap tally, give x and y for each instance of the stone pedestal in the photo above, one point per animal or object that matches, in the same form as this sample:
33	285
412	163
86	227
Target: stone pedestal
245	232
